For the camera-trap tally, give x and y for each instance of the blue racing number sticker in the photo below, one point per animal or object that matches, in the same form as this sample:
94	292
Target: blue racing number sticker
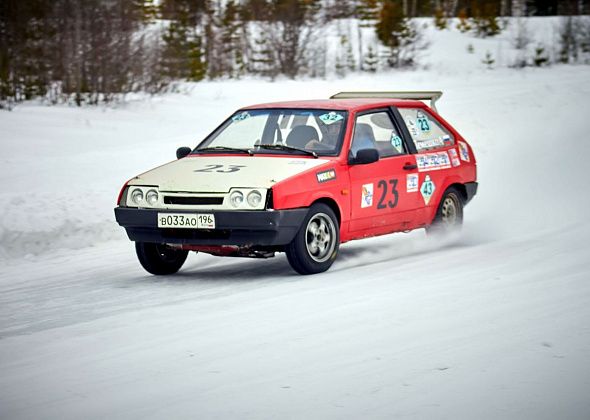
427	189
331	118
241	116
423	123
396	142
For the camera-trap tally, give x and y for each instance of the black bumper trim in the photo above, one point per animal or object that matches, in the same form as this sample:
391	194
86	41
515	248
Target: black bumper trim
471	190
242	228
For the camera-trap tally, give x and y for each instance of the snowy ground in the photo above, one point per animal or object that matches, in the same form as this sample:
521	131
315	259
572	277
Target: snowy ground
494	324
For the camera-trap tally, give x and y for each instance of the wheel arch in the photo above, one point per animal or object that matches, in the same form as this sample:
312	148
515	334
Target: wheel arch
452	184
330	202
459	187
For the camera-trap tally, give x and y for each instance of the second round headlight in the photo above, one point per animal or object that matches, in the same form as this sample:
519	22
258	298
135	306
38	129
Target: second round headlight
254	198
152	197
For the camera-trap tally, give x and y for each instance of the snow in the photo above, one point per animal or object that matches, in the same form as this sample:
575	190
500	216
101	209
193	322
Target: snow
491	324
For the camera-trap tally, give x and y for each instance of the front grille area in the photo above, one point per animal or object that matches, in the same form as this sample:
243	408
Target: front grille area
194	201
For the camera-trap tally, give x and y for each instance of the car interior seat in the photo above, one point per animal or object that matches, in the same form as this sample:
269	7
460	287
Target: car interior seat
301	135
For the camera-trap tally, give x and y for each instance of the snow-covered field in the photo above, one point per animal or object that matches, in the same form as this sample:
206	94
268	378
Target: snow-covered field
493	324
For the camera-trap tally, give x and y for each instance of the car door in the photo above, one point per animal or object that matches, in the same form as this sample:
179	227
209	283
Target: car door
436	155
383	193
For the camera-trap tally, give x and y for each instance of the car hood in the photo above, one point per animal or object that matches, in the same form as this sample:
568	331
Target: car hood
220	173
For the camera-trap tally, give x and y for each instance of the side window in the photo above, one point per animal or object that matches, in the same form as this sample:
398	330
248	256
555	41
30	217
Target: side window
426	132
377	131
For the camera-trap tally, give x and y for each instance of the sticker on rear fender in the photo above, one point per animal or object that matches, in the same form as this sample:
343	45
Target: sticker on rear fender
463	151
186	221
454	159
427	189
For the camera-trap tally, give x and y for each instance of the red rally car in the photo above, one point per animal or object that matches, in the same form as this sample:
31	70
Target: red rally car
302	177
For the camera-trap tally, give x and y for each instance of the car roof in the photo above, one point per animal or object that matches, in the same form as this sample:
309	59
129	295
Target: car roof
356	104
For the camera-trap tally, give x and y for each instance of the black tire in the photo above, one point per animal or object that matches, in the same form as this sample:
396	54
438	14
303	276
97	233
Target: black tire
449	215
315	247
160	259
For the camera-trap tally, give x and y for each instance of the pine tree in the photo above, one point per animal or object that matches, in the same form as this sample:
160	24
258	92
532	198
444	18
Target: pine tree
339	9
172	61
463	25
440	20
148	10
485	20
212	40
197	69
293	23
488	60
350	60
182	56
398	33
262	61
367	12
371	61
231	37
345	60
568	40
34	68
540	59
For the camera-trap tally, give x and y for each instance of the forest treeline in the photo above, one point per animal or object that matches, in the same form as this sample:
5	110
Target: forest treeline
88	51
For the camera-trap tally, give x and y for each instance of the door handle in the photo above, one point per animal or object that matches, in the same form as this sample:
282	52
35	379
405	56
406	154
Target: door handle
410	166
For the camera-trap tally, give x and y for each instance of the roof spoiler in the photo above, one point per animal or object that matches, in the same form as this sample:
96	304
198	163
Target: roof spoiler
431	96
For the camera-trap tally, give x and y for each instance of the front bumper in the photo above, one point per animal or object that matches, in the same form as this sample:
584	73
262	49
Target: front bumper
241	228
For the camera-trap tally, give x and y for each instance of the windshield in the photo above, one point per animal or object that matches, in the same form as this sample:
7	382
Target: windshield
284	131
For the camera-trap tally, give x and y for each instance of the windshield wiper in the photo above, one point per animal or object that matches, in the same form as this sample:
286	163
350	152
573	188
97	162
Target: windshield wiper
224	148
288	148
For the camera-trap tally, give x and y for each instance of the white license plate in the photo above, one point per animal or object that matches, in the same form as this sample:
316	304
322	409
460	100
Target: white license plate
186	221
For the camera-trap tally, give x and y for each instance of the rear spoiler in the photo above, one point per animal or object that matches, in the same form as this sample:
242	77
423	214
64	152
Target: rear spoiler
431	96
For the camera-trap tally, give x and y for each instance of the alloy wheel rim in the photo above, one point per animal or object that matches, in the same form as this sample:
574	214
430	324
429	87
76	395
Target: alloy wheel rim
320	237
450	211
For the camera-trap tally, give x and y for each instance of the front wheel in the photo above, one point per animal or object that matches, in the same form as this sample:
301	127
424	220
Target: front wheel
449	215
160	259
315	247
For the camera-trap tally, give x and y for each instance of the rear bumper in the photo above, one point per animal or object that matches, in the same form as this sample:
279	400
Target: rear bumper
471	190
242	228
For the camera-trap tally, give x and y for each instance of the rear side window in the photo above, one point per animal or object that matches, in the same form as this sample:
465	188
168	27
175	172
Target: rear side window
376	130
427	133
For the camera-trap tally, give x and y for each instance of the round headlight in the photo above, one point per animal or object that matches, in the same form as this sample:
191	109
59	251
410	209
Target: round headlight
254	198
152	197
236	198
137	196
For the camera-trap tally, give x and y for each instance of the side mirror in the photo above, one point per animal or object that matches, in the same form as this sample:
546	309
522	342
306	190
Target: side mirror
365	156
182	152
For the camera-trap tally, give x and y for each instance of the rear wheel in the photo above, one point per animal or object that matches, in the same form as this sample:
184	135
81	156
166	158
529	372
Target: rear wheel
449	215
160	259
315	247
